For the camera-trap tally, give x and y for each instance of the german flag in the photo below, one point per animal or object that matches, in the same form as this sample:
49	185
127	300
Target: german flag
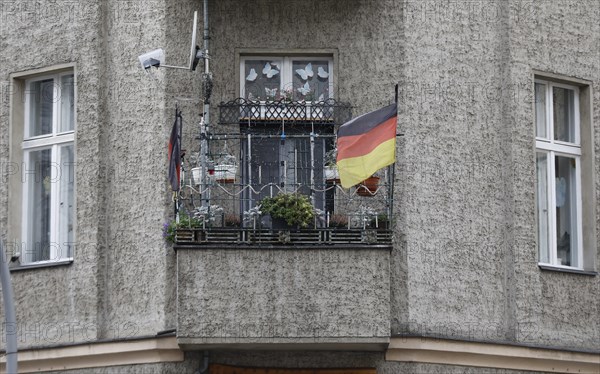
175	153
366	144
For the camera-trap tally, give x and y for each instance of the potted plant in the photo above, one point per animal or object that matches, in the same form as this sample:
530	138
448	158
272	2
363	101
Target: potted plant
232	220
368	187
174	231
225	173
251	216
363	217
288	210
225	168
381	222
207	215
338	221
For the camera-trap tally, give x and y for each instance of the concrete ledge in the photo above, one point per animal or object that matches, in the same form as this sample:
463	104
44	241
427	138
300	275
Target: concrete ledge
442	351
92	355
285	344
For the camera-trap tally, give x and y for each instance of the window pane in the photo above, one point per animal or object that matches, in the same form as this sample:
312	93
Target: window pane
540	110
310	80
39	181
262	79
542	206
566	217
563	106
67	101
66	200
41	97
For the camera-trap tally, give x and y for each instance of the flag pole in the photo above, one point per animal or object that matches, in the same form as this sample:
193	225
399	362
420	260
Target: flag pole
176	193
392	174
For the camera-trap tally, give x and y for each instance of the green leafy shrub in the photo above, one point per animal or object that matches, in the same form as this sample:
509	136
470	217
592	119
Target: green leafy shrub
294	208
185	222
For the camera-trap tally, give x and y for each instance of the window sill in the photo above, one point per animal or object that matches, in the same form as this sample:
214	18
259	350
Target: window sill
567	270
18	267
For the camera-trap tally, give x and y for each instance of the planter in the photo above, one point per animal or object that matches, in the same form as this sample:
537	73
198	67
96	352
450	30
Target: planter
368	187
280	224
197	176
225	173
331	174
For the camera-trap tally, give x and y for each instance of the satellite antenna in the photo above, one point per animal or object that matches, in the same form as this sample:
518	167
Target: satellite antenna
156	58
195	52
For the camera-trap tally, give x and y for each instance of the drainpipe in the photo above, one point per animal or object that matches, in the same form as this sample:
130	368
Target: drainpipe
204	368
9	313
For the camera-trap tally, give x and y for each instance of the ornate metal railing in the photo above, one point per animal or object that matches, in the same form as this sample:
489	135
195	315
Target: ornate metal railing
310	236
241	110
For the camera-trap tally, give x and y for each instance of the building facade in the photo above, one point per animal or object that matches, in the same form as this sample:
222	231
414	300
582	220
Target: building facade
491	263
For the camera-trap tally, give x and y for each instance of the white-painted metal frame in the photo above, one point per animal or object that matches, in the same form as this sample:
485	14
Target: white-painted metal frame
553	148
286	70
55	141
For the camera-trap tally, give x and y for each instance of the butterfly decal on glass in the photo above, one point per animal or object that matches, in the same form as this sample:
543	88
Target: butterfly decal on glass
322	73
252	75
304	90
269	71
271	92
305	73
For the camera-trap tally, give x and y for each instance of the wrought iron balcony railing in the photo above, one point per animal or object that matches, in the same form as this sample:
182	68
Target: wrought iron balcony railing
241	110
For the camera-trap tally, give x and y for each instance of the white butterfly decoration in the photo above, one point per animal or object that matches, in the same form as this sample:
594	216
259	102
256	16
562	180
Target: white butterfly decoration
305	73
322	73
252	75
305	89
271	92
269	71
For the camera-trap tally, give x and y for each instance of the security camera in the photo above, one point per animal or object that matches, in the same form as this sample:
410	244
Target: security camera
15	257
154	58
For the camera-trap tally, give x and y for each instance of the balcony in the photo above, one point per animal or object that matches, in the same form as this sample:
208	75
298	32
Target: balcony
240	111
245	282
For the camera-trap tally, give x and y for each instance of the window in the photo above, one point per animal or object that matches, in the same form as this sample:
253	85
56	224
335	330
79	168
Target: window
558	166
295	78
48	168
280	151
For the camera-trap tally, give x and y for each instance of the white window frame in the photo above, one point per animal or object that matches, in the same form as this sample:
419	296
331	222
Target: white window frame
53	141
554	148
286	71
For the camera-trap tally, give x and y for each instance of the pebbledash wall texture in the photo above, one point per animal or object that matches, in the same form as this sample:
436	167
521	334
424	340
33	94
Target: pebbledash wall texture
464	263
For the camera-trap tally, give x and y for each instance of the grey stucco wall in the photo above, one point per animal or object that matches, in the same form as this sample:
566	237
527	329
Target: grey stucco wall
56	305
464	264
231	296
116	287
467	173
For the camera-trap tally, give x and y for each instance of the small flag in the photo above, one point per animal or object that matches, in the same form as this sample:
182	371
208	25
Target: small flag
366	144
175	154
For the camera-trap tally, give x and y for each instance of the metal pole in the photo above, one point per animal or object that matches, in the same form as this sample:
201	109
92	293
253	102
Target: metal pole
392	174
312	166
181	172
249	180
9	314
206	114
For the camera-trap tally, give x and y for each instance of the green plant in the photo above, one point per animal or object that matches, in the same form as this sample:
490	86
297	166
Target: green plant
207	214
381	222
294	208
185	222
